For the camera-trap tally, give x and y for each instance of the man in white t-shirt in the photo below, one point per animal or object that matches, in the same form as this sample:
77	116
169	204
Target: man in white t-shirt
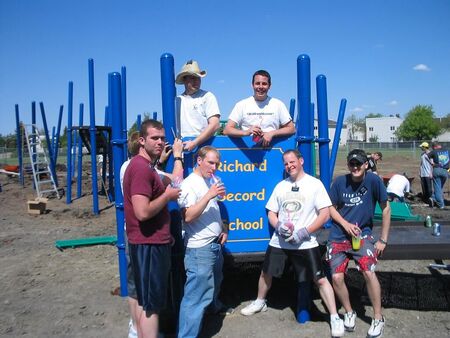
298	207
197	110
205	234
260	115
398	187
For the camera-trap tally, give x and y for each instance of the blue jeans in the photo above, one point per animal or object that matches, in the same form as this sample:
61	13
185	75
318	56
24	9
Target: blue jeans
439	178
203	278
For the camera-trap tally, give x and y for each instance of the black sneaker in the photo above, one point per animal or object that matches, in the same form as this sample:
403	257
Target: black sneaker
431	202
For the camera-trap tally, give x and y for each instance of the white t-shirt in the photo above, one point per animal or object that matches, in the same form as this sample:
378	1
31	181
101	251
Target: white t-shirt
398	184
122	172
426	168
269	114
300	207
195	110
204	229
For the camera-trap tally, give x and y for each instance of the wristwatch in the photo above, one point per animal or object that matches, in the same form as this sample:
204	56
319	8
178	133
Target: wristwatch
382	241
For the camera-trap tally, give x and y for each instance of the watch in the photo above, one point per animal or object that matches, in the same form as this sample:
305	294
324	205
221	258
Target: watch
382	241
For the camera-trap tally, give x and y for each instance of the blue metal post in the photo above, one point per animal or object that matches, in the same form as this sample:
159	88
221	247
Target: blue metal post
58	132
337	136
33	130
118	142
292	108
53	140
138	122
69	144
92	132
19	145
49	145
80	154
304	135
324	141
155	115
168	91
124	108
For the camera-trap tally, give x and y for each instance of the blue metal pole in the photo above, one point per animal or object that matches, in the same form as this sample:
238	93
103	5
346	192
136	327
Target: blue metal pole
58	132
118	142
304	135
337	136
292	108
139	122
53	141
19	145
33	130
324	141
80	154
69	144
124	108
49	145
92	132
155	115
168	92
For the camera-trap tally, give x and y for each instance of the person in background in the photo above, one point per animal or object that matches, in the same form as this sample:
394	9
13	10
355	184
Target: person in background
372	161
205	234
197	110
148	227
298	207
354	197
260	115
440	161
426	172
398	187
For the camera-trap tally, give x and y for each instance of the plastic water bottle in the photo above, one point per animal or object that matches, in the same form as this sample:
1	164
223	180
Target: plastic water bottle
428	221
216	180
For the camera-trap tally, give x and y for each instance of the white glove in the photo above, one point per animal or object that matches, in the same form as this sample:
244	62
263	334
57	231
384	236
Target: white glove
299	236
284	231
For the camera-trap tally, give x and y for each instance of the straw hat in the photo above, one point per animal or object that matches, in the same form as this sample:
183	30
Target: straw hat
190	68
424	145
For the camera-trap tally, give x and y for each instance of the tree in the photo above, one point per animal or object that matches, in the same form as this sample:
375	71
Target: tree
133	127
355	125
371	115
419	124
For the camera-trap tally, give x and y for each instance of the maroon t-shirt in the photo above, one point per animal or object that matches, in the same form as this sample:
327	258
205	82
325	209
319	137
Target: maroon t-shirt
142	179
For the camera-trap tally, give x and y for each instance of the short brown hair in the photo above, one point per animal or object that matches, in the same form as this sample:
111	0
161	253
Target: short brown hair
149	123
201	153
293	151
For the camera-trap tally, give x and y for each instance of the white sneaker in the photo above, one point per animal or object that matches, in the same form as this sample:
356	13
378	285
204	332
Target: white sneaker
337	327
254	307
350	321
376	328
132	333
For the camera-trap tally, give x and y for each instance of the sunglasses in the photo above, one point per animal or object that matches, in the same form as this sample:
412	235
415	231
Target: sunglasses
355	164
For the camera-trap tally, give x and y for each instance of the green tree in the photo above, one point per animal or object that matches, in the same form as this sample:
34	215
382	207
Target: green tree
355	124
371	115
419	124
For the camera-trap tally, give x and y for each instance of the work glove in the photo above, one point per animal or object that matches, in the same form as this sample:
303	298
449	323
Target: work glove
285	230
299	236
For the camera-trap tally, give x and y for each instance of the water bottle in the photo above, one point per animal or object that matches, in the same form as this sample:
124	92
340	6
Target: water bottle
436	229
216	180
428	221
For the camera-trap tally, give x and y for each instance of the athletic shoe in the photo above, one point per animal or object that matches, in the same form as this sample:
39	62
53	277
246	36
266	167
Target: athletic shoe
337	327
254	307
226	310
132	333
431	202
350	321
376	328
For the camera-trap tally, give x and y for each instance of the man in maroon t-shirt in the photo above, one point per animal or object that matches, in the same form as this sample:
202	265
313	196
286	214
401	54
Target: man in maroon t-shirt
148	227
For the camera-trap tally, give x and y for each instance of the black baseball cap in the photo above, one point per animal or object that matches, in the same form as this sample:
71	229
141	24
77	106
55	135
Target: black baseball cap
358	155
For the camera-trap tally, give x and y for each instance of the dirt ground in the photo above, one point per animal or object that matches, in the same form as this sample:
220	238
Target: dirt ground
72	293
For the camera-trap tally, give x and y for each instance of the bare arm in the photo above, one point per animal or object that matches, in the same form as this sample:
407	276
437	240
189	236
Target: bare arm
207	133
232	130
194	211
273	218
144	208
322	217
385	225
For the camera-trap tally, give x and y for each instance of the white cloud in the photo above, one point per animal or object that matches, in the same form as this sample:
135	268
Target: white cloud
221	81
393	103
422	68
357	110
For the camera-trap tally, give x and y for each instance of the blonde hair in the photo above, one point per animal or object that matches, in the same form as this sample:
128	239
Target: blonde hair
133	143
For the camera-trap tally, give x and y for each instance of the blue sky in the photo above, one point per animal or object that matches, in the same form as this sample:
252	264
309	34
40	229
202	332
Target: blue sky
383	56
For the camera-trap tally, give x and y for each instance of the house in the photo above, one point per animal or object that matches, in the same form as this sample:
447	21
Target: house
381	129
332	132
